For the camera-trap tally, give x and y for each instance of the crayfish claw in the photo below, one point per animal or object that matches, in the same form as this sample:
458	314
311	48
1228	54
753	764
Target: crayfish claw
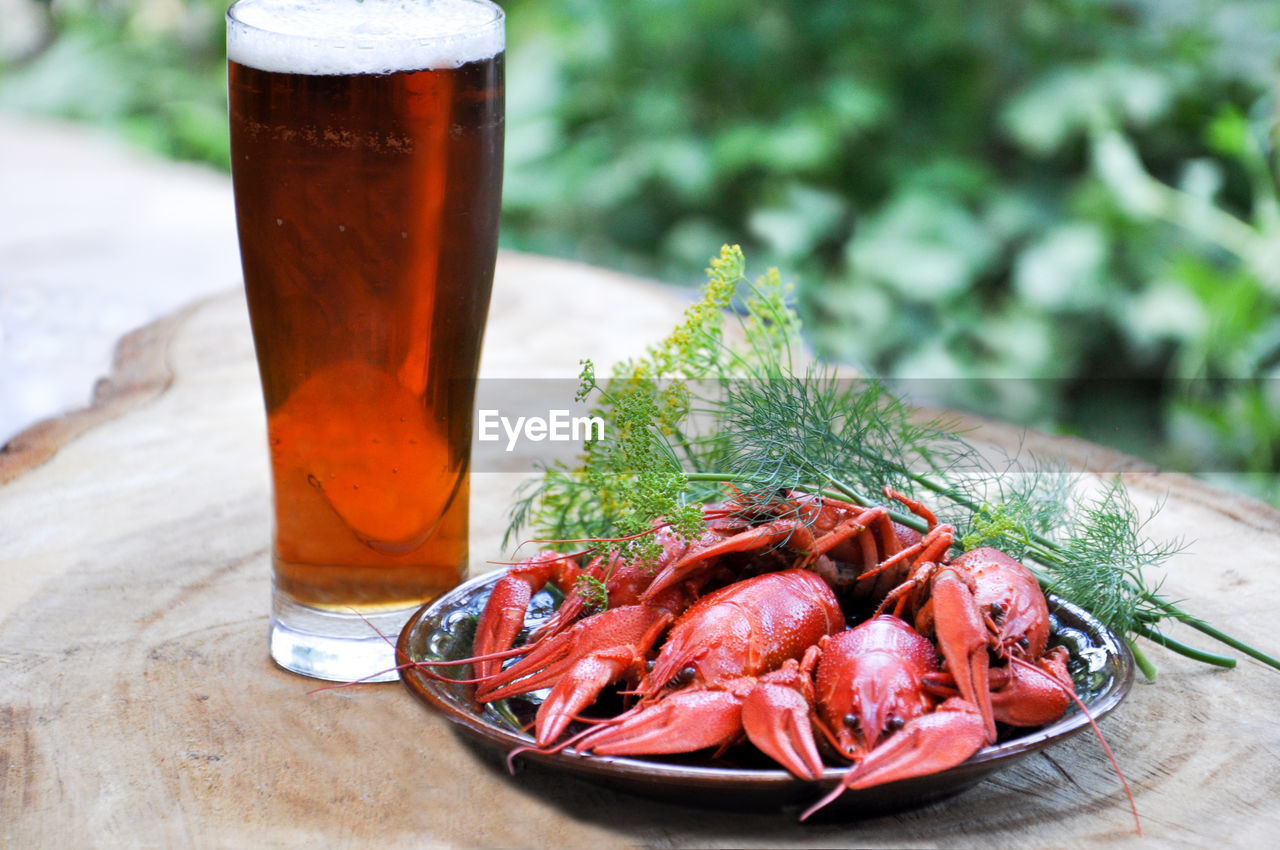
580	686
930	743
776	720
682	722
503	615
963	639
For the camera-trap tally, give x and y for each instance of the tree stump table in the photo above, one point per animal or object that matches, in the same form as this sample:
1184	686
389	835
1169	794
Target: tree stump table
138	706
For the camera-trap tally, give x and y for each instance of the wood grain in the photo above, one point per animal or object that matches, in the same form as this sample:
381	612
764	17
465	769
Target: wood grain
138	374
138	706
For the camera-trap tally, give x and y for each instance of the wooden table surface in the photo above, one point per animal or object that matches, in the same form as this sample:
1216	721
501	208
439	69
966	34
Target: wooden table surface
138	706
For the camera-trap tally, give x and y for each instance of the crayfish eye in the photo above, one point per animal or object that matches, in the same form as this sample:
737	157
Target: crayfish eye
997	611
894	723
648	665
686	675
851	720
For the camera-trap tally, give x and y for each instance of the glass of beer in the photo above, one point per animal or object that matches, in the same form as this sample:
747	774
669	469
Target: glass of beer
366	148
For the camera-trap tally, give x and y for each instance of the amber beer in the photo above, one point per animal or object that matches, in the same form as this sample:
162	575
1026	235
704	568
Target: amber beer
367	166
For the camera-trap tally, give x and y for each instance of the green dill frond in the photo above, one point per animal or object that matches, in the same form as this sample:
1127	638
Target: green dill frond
1104	558
705	414
1001	526
636	475
1019	507
555	506
594	595
586	380
527	497
853	437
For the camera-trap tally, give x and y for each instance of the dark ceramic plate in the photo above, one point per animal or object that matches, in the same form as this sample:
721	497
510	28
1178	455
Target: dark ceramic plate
1101	665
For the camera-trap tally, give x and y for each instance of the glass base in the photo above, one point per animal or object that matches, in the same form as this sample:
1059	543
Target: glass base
335	646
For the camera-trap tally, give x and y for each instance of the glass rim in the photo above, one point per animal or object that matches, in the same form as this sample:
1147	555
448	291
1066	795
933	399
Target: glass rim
323	40
497	19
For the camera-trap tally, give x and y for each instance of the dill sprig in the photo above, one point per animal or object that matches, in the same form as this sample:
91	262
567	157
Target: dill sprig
1103	560
636	474
705	412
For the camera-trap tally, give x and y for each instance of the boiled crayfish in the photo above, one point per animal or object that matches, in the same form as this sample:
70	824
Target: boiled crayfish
710	665
741	634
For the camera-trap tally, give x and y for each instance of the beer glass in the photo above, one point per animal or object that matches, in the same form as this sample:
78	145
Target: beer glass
366	149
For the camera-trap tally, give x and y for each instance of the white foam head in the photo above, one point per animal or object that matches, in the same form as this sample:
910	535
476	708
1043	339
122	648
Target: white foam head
369	37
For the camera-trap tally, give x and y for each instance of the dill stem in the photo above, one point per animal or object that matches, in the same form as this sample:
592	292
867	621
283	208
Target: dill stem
709	477
1139	657
1217	634
1049	554
1183	649
683	442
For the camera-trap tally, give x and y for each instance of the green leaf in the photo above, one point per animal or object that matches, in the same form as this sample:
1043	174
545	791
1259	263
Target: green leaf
805	217
923	246
1062	269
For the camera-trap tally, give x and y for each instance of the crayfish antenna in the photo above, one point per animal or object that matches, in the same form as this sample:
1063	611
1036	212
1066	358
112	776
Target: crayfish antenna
1096	731
500	655
421	666
912	505
830	797
363	679
388	641
594	726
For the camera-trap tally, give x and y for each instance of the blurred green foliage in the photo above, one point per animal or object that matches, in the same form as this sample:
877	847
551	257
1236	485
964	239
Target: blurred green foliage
1061	212
151	70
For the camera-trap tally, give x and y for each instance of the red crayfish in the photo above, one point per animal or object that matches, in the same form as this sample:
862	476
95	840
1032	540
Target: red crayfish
946	649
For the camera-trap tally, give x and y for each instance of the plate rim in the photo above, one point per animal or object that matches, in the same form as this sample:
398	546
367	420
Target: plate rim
651	769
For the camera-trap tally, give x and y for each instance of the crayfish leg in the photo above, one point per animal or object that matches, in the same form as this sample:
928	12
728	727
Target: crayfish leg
698	560
635	627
